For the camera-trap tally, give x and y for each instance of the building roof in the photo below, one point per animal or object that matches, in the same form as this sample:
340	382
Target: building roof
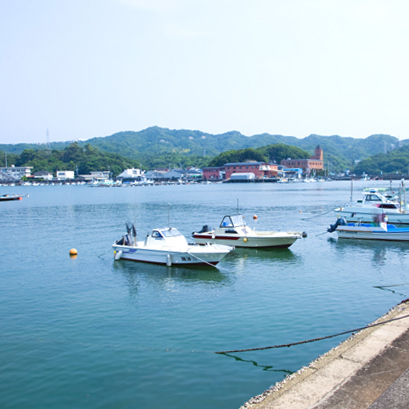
244	163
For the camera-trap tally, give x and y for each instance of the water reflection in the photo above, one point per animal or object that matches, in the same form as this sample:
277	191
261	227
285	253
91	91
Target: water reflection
268	368
135	272
263	255
379	249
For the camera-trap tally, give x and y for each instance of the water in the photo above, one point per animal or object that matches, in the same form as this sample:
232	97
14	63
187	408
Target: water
92	332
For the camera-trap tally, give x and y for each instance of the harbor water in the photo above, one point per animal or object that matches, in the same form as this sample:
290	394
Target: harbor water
91	332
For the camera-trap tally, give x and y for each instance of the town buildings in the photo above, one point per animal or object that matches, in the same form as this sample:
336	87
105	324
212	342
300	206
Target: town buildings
310	165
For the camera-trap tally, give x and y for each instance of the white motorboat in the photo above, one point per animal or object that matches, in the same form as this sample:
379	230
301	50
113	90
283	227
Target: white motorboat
372	202
378	230
234	231
167	246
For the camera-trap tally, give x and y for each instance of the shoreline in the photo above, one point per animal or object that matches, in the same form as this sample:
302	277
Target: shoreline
351	375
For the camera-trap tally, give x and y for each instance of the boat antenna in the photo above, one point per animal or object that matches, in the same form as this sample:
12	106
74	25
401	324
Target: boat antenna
168	215
352	187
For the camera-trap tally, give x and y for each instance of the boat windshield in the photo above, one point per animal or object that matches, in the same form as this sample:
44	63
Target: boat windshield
375	197
171	232
233	221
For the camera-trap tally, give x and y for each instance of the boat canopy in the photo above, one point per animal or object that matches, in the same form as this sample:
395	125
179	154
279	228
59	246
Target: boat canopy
233	221
170	232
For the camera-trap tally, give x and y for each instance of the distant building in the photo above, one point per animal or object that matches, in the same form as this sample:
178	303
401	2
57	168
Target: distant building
259	169
315	162
156	174
43	174
130	174
15	173
65	174
213	173
175	174
241	177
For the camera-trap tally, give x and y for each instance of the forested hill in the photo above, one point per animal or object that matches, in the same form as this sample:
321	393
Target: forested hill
161	146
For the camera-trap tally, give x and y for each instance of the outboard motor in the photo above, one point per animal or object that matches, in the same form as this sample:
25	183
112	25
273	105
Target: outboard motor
205	229
340	222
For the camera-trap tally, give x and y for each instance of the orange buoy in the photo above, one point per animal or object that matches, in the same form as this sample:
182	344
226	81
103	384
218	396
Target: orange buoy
255	217
73	252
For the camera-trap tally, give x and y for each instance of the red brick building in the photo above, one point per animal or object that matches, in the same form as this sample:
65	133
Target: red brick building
315	162
213	173
260	169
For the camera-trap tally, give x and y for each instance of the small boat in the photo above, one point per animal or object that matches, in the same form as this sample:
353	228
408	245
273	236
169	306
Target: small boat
6	198
233	231
373	201
167	246
378	230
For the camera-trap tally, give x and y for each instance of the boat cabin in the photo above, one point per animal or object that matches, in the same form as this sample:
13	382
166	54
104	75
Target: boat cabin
378	200
164	237
233	221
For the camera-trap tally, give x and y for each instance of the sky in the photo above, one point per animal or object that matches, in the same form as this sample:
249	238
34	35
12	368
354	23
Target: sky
78	69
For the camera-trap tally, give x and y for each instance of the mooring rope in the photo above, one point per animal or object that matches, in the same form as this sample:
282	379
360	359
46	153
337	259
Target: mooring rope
393	285
317	215
204	261
313	340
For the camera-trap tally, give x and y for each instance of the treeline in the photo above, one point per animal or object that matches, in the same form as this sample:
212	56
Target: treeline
395	161
82	159
157	147
272	153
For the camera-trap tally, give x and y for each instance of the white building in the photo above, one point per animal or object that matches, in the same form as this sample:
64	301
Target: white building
65	174
43	174
15	172
130	174
100	175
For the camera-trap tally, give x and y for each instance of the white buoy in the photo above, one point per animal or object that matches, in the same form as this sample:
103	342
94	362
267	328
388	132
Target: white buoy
118	255
168	260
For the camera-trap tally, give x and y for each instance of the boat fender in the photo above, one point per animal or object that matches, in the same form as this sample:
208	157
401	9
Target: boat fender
168	260
304	234
213	236
118	254
245	239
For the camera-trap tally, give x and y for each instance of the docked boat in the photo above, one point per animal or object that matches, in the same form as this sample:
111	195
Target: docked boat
167	246
234	231
378	230
373	201
6	198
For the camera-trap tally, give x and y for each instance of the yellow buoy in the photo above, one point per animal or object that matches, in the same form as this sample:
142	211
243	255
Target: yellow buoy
73	252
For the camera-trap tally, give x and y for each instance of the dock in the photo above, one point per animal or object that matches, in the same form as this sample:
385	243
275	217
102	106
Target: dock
369	370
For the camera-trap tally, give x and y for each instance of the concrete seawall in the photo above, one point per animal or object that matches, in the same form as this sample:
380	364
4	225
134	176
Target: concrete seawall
354	374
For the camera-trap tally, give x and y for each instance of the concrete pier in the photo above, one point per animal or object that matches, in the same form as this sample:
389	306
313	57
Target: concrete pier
369	370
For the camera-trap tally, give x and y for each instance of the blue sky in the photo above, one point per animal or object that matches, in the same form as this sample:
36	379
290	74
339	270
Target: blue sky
89	68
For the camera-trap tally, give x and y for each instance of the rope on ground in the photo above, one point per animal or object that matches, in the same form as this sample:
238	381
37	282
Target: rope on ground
313	340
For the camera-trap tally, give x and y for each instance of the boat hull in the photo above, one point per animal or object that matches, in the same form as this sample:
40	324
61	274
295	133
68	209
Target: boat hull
375	233
193	256
276	241
357	215
7	198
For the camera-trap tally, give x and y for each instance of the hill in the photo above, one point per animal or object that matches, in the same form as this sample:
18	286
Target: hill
155	147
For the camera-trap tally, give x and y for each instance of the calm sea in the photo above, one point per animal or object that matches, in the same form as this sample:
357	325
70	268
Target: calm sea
92	332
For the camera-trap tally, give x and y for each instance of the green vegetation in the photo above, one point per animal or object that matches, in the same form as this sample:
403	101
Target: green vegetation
395	161
271	153
86	159
161	147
